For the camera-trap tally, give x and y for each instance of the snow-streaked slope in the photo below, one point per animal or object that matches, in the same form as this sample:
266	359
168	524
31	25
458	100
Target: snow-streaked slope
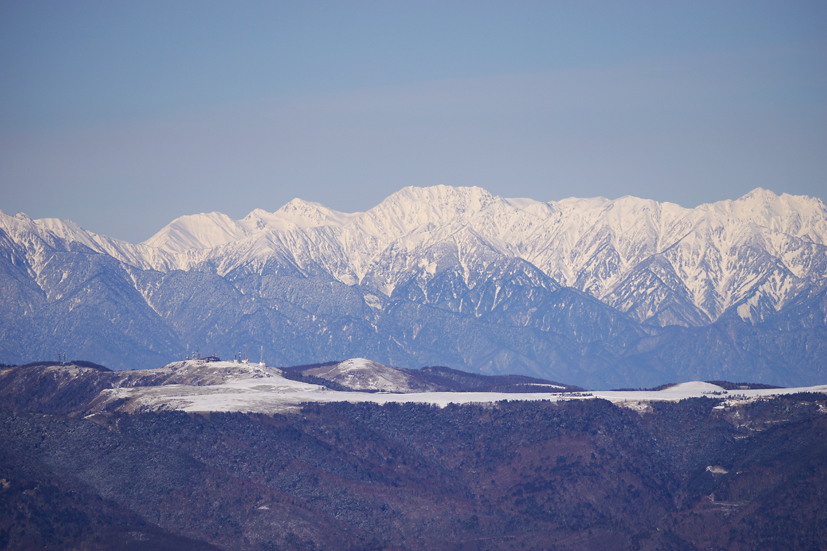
35	240
364	374
794	215
212	230
197	231
659	262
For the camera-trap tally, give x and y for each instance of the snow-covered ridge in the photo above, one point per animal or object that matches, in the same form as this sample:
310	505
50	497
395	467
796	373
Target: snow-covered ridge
227	386
202	386
197	231
658	262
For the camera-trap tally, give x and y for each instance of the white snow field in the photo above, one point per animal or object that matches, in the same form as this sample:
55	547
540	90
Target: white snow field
197	386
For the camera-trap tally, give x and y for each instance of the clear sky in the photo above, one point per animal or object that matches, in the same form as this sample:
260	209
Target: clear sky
124	115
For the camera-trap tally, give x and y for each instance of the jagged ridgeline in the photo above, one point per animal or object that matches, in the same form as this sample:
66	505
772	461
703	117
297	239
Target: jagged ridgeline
594	292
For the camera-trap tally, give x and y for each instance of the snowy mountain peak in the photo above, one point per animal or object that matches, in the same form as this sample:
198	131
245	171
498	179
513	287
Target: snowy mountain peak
296	215
796	215
439	203
413	209
51	231
196	231
465	197
307	214
762	204
63	229
759	194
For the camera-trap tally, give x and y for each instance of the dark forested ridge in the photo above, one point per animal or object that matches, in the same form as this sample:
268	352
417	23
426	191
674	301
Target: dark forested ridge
512	475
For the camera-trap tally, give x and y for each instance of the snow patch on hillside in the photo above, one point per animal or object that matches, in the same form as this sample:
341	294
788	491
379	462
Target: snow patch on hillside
363	374
198	386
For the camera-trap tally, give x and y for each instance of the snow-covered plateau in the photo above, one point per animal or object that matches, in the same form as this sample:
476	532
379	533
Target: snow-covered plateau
196	386
591	291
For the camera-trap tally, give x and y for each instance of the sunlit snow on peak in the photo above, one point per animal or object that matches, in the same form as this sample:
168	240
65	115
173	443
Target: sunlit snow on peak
659	262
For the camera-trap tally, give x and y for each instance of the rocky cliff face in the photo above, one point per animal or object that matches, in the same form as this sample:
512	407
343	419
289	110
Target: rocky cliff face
628	292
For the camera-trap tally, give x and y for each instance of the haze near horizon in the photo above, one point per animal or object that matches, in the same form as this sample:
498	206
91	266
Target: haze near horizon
124	117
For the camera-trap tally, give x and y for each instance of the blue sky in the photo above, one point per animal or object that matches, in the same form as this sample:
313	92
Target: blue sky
124	115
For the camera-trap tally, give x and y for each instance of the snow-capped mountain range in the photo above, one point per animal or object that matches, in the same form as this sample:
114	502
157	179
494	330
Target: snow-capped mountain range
638	266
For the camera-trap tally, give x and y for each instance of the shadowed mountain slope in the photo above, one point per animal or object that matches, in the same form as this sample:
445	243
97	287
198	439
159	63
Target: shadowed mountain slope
596	292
